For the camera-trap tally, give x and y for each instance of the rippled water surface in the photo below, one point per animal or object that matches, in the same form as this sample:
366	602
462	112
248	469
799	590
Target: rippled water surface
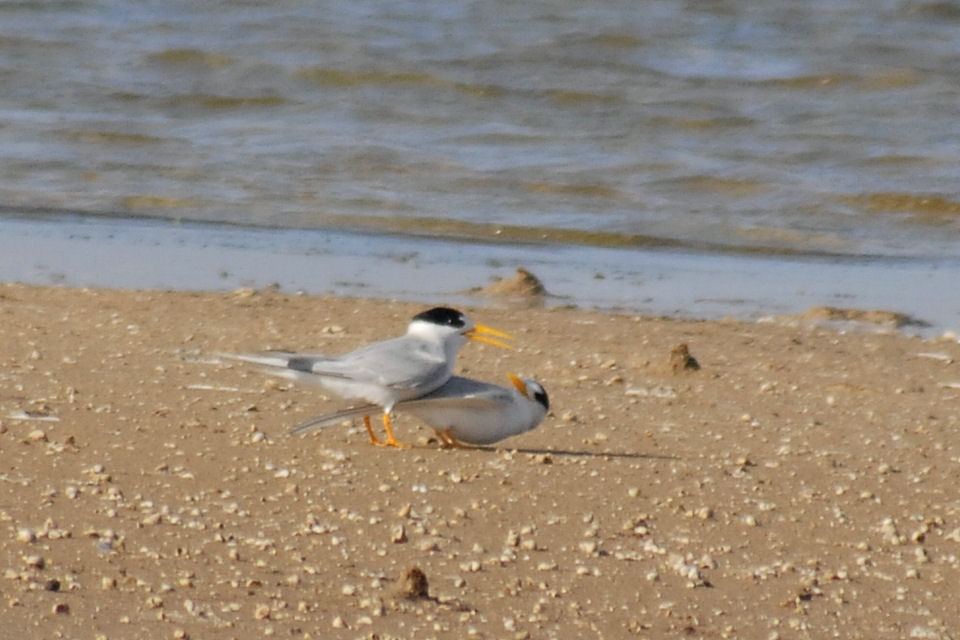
759	129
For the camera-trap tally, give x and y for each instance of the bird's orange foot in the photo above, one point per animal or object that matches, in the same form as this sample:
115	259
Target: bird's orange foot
391	440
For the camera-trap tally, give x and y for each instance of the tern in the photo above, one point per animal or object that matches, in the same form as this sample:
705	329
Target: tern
390	371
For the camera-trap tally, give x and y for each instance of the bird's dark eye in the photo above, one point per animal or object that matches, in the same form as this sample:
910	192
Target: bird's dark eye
540	396
444	316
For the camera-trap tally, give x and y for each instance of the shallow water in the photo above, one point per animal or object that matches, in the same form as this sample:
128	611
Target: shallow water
822	129
816	127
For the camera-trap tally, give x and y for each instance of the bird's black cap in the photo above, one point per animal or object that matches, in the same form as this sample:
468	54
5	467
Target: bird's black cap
444	316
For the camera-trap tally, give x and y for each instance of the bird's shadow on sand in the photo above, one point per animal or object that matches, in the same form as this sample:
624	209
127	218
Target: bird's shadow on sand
572	453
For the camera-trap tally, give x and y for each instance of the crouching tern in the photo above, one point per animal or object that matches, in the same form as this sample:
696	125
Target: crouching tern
464	411
390	371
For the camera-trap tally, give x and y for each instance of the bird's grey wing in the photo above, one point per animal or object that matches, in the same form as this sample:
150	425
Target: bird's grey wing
461	387
398	363
452	402
462	392
328	419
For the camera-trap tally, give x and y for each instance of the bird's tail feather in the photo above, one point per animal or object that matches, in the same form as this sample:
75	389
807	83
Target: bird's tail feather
327	419
276	363
279	359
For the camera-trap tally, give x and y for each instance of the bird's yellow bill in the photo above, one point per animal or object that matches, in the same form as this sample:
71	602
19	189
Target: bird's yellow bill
481	333
518	383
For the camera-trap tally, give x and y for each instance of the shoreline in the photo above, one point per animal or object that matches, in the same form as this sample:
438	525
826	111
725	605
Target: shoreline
679	284
801	479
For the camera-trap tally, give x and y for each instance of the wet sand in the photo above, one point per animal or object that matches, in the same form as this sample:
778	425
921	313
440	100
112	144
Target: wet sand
68	251
801	483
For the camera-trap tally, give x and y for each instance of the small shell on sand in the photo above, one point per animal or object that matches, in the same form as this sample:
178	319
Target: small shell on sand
26	535
34	561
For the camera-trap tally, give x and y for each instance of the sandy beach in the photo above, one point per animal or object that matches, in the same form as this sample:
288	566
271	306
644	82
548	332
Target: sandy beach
801	483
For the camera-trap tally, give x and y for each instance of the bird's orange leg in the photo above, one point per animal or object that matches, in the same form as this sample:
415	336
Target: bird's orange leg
373	436
448	441
443	438
391	440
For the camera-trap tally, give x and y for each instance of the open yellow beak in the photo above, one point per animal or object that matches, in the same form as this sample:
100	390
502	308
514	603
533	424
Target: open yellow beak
518	383
481	333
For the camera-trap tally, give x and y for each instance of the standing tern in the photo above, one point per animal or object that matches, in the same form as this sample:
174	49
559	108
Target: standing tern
464	411
389	371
